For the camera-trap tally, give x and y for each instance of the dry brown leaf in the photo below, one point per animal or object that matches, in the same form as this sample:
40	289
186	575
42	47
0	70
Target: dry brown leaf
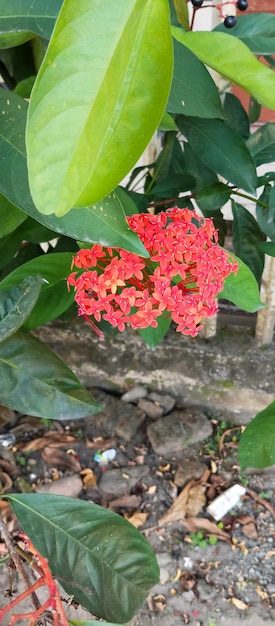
250	530
179	508
178	575
51	438
263	595
125	502
239	604
229	444
270	554
152	490
196	500
101	444
138	519
5	482
59	458
193	524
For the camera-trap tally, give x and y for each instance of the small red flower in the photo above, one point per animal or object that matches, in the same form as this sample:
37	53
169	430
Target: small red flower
181	278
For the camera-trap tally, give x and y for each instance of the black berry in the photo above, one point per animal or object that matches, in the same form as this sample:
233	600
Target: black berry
242	5
197	3
230	21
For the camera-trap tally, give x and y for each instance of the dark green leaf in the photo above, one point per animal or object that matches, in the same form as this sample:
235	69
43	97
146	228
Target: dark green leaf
16	304
153	336
90	550
167	123
264	215
194	166
54	298
25	86
246	235
119	96
242	289
261	144
268	247
77	622
36	16
219	223
193	91
221	149
103	223
254	111
230	57
10	217
36	382
235	115
266	178
255	30
213	197
257	443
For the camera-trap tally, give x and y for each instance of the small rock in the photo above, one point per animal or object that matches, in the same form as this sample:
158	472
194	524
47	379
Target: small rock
178	430
118	482
188	469
164	400
67	486
205	591
135	393
129	421
154	411
271	589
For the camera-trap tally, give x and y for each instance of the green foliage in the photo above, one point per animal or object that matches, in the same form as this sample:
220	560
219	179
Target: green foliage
90	550
257	443
16	304
242	289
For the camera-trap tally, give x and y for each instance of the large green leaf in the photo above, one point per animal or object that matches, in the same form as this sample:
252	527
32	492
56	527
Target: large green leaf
81	622
21	20
213	197
16	304
193	91
268	247
10	217
221	149
153	336
261	144
230	57
182	13
257	443
103	223
265	216
54	297
36	382
82	141
257	31
242	289
235	116
246	236
97	556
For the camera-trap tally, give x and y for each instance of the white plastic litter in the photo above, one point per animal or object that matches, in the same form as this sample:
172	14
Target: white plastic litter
104	458
226	501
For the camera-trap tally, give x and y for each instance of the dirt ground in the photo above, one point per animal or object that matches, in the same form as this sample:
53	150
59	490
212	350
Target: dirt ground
212	573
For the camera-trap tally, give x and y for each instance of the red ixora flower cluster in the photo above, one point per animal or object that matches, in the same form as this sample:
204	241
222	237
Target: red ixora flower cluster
181	278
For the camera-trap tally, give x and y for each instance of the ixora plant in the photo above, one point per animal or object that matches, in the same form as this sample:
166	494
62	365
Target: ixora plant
100	82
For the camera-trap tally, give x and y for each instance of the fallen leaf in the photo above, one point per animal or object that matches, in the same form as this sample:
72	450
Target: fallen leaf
152	490
173	592
261	501
193	524
270	554
164	468
263	595
187	581
125	502
179	508
100	443
5	482
214	467
59	458
51	438
178	575
138	519
239	604
230	444
196	500
88	477
250	530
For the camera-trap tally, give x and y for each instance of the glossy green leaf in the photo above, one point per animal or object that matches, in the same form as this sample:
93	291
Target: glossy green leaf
103	223
105	551
167	123
193	91
16	304
264	215
54	297
254	110
235	116
213	197
261	144
242	289
194	166
221	149
10	217
230	57
256	31
257	443
246	235
36	382
153	336
121	78
21	20
182	13
268	247
81	622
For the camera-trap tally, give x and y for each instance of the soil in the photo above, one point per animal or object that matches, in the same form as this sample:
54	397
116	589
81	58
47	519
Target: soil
211	573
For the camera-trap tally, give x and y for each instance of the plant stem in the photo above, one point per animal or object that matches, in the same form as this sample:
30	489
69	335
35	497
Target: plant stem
251	198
